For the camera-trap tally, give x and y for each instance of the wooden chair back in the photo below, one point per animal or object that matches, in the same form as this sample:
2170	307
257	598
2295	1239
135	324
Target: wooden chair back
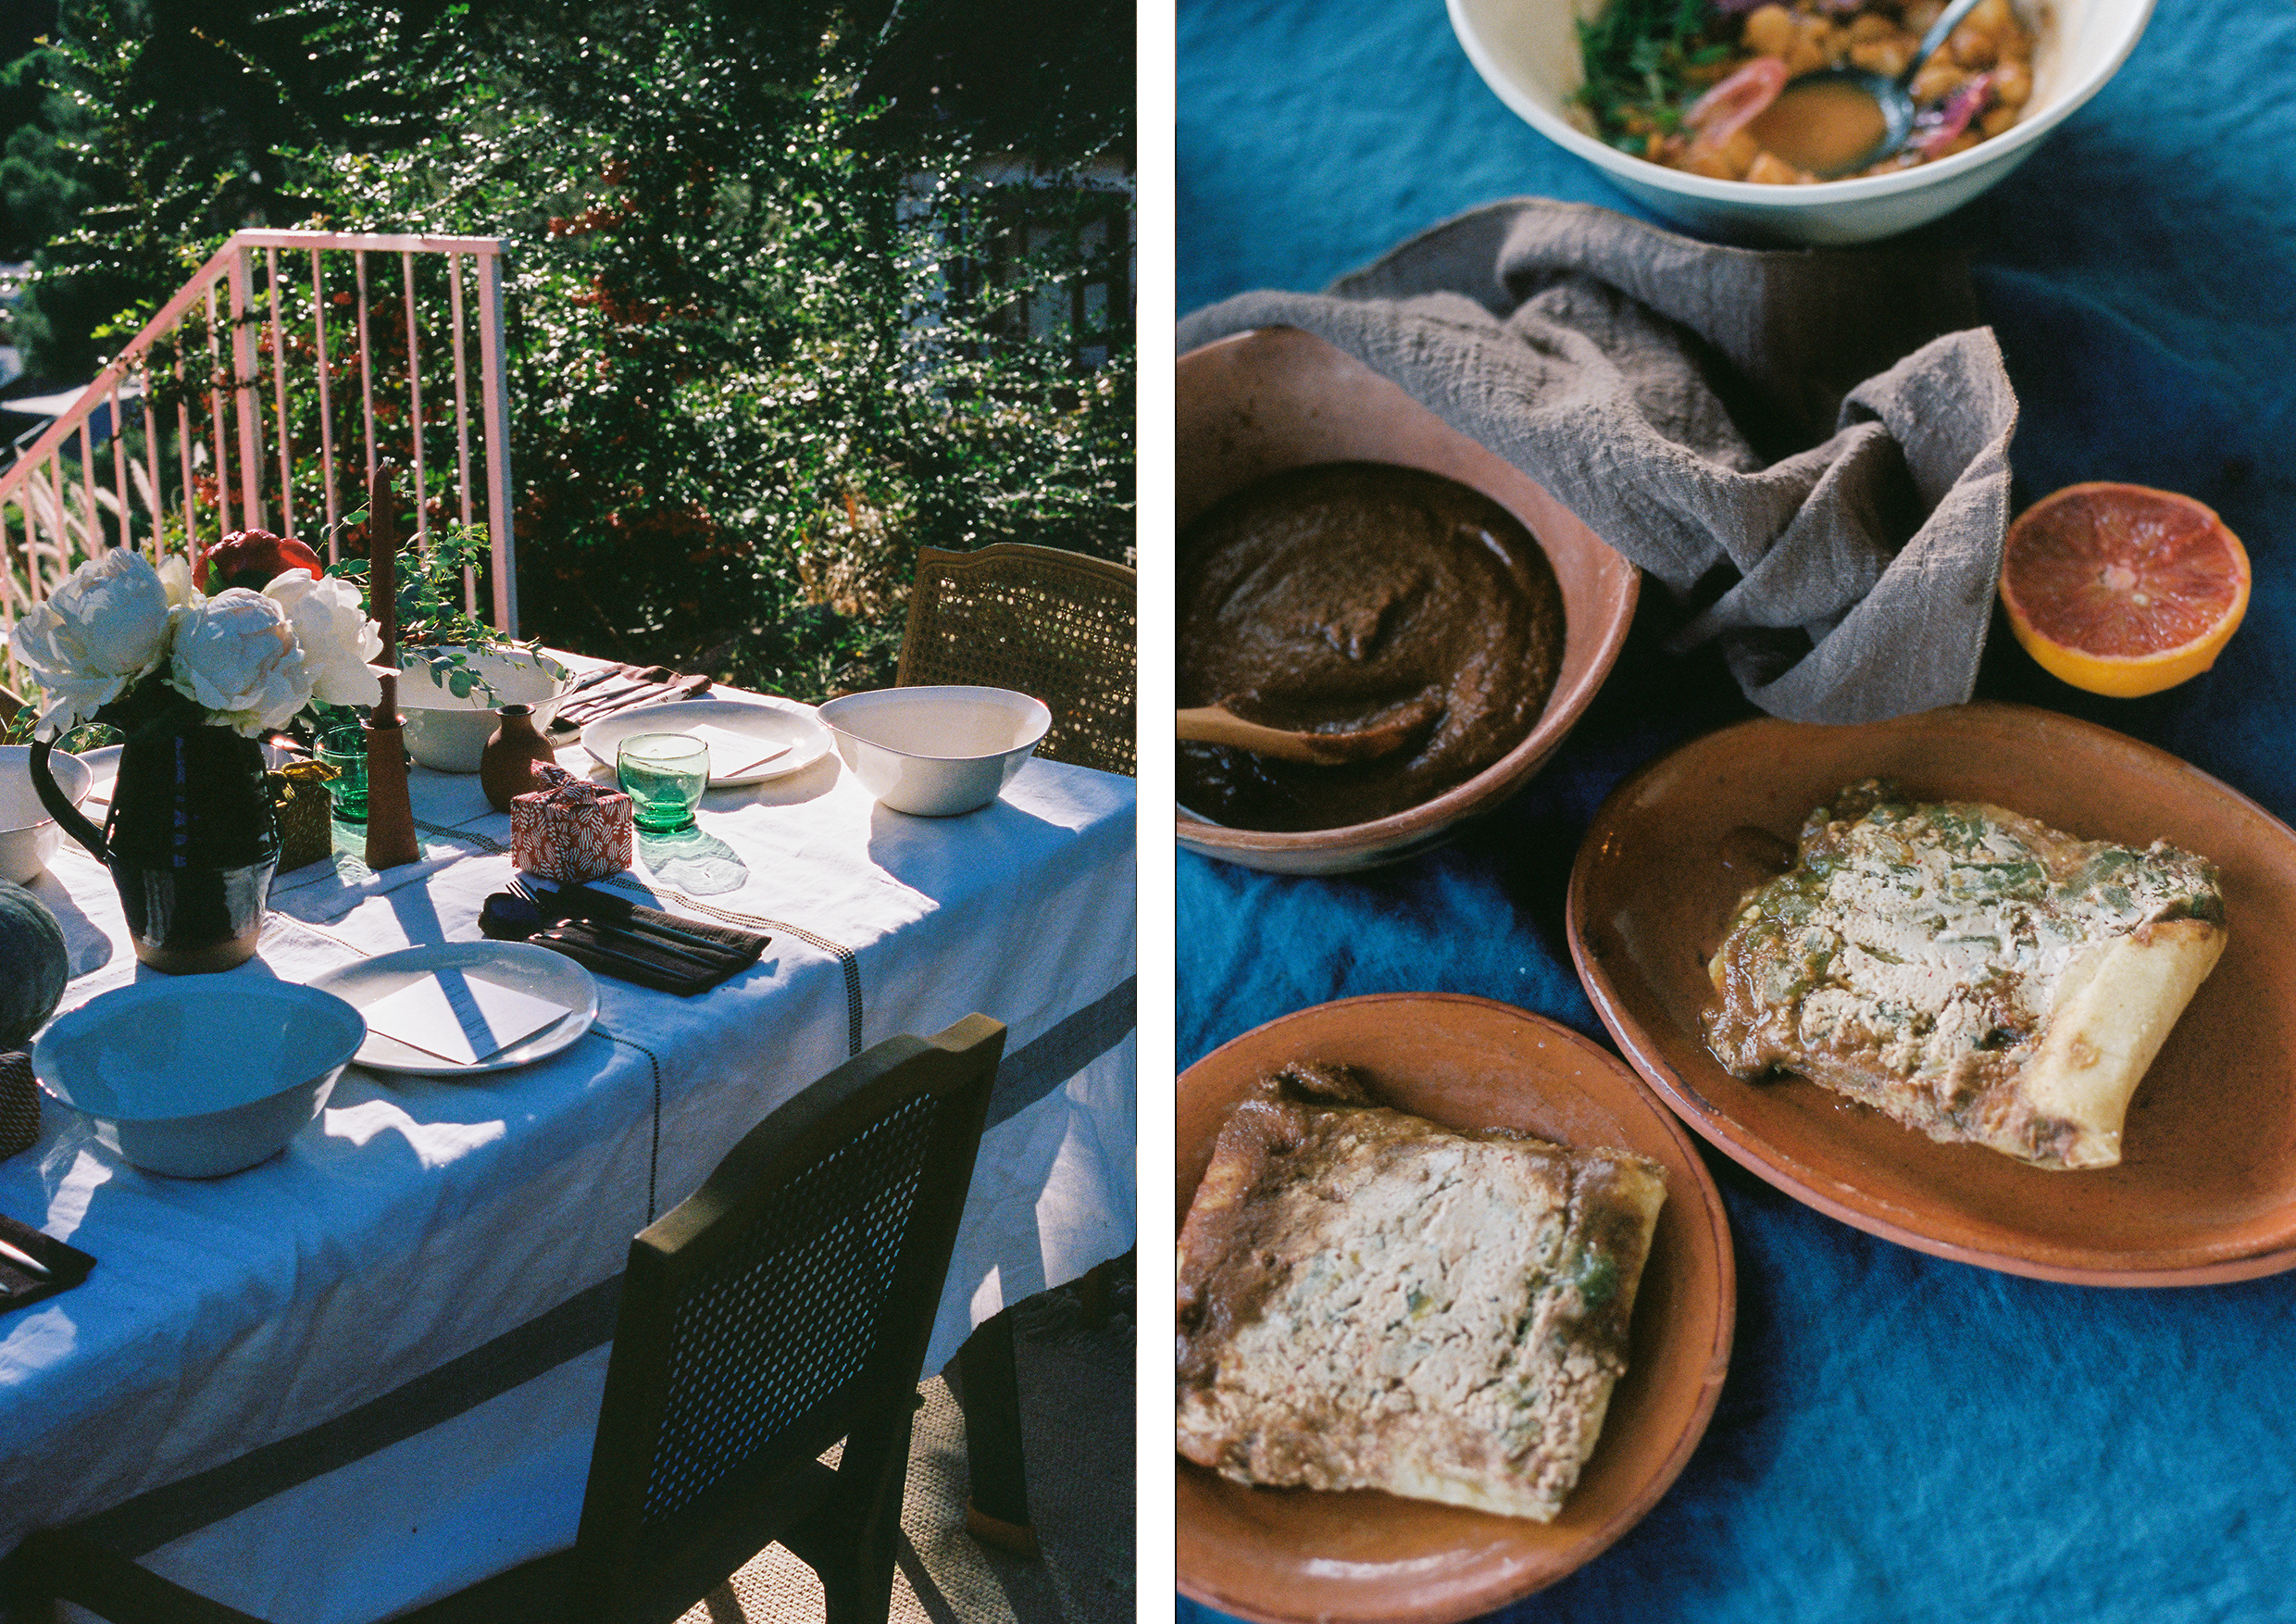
783	1305
1061	626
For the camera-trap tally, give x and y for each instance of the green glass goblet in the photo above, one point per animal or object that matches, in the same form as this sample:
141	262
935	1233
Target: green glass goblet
663	775
345	750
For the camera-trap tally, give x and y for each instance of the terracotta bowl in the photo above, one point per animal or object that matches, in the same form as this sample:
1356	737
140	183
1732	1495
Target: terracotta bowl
2206	1187
1262	402
1285	1555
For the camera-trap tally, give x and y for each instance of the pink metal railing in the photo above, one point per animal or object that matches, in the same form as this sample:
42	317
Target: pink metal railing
267	450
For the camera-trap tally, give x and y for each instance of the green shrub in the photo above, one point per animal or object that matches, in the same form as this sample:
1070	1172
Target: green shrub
744	387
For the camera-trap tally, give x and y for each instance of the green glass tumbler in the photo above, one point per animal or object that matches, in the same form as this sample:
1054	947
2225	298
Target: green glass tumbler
345	750
663	775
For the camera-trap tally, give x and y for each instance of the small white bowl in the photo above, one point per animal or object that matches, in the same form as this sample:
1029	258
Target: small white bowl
28	835
936	752
449	732
200	1077
1528	53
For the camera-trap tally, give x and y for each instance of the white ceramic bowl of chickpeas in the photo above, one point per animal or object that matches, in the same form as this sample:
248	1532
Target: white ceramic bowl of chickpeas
2014	70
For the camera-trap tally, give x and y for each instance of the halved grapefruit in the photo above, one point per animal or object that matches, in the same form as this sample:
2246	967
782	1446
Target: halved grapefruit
2123	590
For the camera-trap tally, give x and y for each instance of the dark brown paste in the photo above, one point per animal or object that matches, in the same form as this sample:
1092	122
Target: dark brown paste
1328	598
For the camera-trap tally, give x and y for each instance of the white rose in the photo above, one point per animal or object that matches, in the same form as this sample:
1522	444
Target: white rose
235	656
334	633
97	635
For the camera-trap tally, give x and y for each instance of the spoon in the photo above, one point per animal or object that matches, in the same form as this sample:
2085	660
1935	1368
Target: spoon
1819	116
1216	724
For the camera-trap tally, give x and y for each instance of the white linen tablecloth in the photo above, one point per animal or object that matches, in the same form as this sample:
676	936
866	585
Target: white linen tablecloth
367	1371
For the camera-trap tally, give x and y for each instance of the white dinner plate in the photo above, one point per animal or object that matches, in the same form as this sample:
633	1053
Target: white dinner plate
534	971
769	720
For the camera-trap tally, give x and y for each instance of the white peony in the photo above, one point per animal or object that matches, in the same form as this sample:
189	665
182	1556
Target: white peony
98	632
174	574
334	633
236	657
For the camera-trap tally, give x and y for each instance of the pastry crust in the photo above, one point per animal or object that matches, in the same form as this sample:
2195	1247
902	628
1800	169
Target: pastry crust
1969	972
2113	1011
1369	1300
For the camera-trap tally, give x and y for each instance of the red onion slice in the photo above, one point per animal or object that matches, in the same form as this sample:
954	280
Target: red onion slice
1726	109
1938	130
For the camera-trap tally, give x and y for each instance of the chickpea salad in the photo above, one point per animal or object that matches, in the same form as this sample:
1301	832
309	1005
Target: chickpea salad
1686	83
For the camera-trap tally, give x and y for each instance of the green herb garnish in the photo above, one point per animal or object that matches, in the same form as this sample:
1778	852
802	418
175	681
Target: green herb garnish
1637	54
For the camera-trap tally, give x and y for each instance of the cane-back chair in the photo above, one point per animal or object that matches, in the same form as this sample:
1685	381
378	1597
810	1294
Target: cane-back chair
1061	626
786	1305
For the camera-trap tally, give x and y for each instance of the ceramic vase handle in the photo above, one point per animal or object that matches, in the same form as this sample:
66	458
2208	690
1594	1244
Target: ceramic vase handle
59	803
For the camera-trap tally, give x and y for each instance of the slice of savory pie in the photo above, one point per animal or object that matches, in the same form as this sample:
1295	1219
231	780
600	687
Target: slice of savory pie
1370	1301
1968	971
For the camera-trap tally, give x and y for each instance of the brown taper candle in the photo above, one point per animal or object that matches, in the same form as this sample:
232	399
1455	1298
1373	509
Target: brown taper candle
389	817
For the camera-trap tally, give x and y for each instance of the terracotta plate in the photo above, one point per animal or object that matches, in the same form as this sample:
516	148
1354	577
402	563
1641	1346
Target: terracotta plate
2206	1188
1283	1554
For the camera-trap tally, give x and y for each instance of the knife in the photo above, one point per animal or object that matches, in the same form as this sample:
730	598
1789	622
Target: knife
559	937
25	1261
605	910
667	939
606	935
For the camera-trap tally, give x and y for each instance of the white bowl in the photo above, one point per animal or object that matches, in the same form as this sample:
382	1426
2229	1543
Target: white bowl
449	732
1528	53
199	1077
936	752
28	835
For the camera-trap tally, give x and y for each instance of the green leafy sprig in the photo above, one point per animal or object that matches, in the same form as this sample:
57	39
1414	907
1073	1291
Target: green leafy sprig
1639	56
432	618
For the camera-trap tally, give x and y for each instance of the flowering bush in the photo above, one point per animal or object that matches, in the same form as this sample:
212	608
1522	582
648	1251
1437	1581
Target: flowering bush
773	321
117	638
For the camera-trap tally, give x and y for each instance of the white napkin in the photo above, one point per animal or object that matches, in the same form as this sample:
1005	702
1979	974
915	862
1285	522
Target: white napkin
731	752
459	1018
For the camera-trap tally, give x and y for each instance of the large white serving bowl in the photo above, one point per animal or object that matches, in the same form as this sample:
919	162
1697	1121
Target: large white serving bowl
28	835
199	1077
449	732
1528	53
936	752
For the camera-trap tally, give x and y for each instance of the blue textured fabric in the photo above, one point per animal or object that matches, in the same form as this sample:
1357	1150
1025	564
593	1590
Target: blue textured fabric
1900	1438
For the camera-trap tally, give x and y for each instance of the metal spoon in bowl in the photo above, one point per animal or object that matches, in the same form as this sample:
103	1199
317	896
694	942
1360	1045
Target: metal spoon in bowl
1380	736
1833	122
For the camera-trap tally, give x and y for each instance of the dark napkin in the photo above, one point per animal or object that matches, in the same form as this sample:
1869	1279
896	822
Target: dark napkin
609	935
612	688
67	1266
19	1106
1809	448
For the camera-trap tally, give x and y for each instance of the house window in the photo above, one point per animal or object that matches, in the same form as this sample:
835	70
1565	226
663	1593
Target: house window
1052	262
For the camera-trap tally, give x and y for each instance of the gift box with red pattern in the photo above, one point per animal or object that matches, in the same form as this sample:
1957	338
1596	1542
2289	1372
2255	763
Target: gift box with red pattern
571	830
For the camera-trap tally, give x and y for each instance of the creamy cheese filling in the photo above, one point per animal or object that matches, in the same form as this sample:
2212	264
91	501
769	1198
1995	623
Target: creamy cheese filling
1922	948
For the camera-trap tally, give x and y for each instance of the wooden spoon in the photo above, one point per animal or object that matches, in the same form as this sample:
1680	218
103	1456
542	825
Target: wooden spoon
1216	724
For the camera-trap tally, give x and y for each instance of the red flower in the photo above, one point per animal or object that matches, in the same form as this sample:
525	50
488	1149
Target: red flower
252	559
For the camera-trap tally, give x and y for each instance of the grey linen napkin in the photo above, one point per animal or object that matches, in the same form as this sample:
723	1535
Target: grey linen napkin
617	688
1808	448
